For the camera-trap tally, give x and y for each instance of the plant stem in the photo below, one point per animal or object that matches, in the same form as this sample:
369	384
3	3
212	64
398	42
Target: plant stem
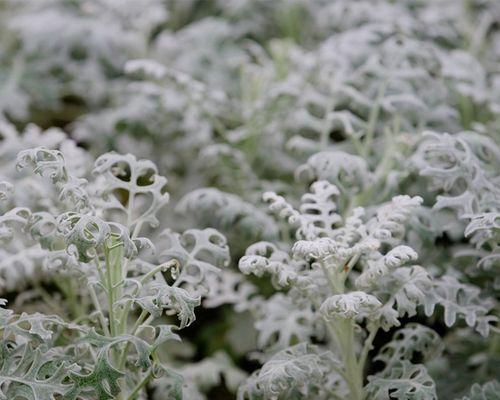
367	347
372	120
140	320
140	385
342	332
95	300
325	130
110	292
163	267
353	372
126	309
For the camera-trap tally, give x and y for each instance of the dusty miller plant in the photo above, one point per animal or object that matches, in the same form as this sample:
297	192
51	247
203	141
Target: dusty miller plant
230	99
347	276
116	295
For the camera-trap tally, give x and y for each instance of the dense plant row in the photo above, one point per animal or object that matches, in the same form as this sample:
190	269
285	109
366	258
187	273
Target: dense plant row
330	225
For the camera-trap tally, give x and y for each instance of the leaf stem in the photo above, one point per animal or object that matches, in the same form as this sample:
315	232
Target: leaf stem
136	326
140	385
373	118
95	300
353	373
367	347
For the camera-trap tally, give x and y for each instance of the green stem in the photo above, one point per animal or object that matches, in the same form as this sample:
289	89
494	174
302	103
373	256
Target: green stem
95	300
348	267
126	309
160	268
342	332
330	278
325	130
130	208
140	320
372	120
140	385
353	372
110	292
102	277
137	230
367	347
